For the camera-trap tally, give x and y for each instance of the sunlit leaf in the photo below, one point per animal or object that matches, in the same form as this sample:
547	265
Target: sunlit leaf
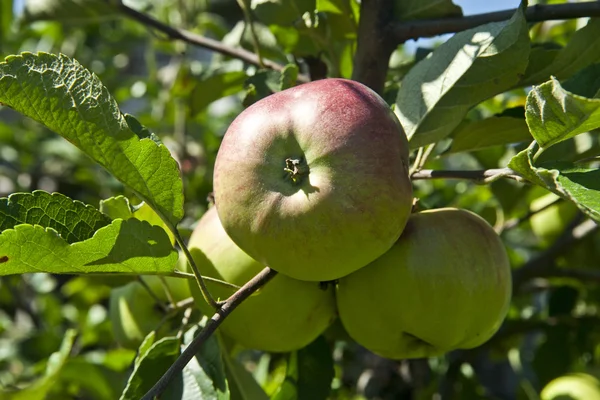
470	67
59	93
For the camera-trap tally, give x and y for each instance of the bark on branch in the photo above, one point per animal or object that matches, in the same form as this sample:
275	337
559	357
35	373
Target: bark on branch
228	306
403	31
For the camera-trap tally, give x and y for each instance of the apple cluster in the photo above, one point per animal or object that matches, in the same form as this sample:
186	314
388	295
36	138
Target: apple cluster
313	181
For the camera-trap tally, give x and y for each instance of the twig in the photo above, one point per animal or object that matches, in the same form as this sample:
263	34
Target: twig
514	222
249	25
543	265
403	31
199	278
421	158
201	41
228	306
478	176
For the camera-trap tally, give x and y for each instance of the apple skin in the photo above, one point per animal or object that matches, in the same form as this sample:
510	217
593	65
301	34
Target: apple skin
444	285
349	197
572	387
133	312
285	315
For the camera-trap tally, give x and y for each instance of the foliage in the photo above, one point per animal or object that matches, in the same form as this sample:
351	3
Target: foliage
92	197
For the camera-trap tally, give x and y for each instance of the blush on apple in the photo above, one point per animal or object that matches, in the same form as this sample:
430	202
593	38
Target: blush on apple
313	181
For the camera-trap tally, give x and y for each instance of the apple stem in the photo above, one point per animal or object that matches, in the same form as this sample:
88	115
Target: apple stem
296	168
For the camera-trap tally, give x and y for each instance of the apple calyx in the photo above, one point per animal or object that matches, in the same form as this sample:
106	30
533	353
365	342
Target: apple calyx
296	169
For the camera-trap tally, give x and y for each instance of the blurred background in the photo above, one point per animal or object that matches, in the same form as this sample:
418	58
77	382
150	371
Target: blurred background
188	95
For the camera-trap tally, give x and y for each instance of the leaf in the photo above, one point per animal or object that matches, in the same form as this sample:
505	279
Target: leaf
6	19
315	370
554	115
493	131
266	82
59	93
407	10
281	12
309	373
73	220
470	67
202	378
130	246
119	207
40	388
579	185
585	83
98	380
214	87
242	384
68	10
150	366
582	50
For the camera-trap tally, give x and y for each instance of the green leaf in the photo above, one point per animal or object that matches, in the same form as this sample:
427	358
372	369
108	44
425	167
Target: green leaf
130	246
59	93
6	19
493	131
281	12
585	83
309	374
116	207
119	207
266	82
582	50
470	67
579	185
554	115
40	388
150	365
98	380
202	378
73	220
68	10
214	87
425	9
242	384
315	370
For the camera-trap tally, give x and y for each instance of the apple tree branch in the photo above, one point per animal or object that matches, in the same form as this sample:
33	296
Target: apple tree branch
403	31
228	306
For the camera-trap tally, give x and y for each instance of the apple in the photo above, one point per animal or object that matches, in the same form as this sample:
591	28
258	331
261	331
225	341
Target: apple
313	181
285	315
572	387
549	223
133	311
444	285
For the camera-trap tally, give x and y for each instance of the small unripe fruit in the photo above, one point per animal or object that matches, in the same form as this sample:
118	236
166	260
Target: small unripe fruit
284	315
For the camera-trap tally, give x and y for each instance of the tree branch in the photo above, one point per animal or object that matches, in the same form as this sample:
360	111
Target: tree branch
201	41
514	222
374	45
228	306
543	265
478	176
403	31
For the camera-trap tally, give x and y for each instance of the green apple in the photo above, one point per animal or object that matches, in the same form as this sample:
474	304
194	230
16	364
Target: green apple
313	181
549	223
133	311
572	387
444	285
285	315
